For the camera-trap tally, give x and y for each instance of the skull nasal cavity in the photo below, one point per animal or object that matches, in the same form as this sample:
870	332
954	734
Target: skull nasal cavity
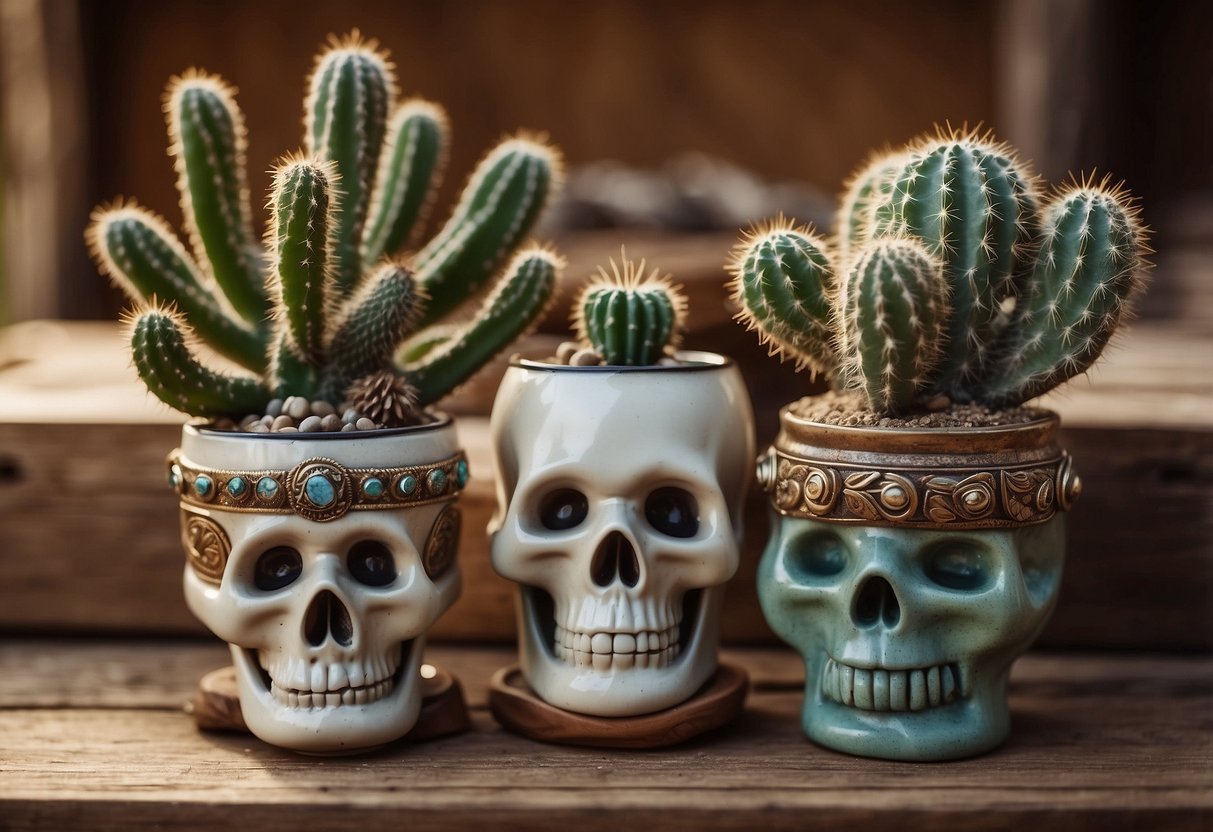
327	616
875	603
615	558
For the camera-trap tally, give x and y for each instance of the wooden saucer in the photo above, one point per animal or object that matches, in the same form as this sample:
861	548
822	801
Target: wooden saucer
717	703
216	707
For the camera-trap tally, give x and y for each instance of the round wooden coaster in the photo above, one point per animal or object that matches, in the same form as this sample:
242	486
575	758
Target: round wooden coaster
216	707
717	703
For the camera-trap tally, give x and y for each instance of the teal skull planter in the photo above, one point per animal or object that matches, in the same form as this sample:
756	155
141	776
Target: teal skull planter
910	568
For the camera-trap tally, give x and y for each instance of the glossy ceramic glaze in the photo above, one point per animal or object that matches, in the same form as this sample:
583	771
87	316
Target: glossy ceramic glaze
309	558
621	584
910	582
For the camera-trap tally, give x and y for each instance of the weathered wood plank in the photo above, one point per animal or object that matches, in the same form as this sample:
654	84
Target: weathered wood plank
1098	742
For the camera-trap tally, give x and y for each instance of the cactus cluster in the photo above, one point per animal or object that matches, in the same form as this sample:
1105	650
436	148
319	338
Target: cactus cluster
329	297
949	275
629	317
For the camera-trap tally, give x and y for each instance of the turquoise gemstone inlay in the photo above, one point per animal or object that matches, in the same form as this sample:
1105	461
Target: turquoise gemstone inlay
174	476
319	490
202	485
236	486
373	488
267	488
461	473
437	481
407	484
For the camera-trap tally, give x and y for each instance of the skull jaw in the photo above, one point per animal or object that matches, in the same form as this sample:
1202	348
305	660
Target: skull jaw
619	692
333	730
968	726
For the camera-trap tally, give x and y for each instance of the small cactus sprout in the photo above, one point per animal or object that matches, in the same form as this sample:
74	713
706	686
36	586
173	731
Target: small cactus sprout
629	317
1086	276
783	281
955	280
892	319
327	300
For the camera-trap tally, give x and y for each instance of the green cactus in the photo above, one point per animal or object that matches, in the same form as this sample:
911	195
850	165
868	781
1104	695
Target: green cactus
783	282
326	300
629	317
892	313
1032	296
1086	276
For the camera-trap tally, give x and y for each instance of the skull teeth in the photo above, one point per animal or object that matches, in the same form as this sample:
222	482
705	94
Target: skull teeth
622	651
300	682
882	689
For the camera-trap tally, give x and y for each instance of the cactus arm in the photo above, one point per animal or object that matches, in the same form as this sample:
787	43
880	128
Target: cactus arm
302	233
894	315
1087	273
868	190
290	373
164	360
410	170
964	198
372	325
139	253
522	295
207	143
350	93
498	207
782	281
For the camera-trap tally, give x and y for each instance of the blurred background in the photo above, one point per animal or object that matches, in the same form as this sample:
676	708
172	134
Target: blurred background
676	118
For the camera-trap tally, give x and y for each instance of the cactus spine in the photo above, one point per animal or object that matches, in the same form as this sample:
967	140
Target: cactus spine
1026	298
326	302
893	318
783	282
630	317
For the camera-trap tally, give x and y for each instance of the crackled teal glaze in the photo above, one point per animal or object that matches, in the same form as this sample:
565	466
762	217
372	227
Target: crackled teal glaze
908	635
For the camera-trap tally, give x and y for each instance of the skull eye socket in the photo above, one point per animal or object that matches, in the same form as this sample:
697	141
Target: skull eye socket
564	508
957	564
813	556
276	568
371	563
672	511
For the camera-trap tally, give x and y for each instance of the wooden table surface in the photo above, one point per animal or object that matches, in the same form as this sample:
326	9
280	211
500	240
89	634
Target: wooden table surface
93	736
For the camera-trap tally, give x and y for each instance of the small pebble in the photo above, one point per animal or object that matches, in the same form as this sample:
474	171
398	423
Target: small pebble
939	402
322	408
258	427
668	361
287	430
310	425
268	420
248	421
350	416
365	424
281	422
347	427
331	422
274	408
224	424
565	351
585	358
297	407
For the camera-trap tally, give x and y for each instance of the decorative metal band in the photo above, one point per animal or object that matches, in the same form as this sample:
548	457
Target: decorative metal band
443	543
317	489
994	496
206	546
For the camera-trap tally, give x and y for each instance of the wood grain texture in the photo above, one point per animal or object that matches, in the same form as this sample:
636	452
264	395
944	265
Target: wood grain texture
1098	742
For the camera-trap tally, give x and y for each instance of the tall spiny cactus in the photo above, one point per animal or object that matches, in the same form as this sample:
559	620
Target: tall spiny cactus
324	303
784	280
1068	271
630	316
892	319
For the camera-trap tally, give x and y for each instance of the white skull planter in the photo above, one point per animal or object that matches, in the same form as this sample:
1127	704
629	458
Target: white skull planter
322	561
620	495
910	568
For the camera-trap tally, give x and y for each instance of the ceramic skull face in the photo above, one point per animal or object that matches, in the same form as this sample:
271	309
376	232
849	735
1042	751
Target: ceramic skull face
619	502
322	575
908	635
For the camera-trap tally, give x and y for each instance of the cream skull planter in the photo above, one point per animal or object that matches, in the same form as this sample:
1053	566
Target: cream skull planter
910	568
620	495
323	560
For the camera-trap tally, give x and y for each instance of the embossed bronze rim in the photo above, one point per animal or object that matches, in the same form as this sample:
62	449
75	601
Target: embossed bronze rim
1004	476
